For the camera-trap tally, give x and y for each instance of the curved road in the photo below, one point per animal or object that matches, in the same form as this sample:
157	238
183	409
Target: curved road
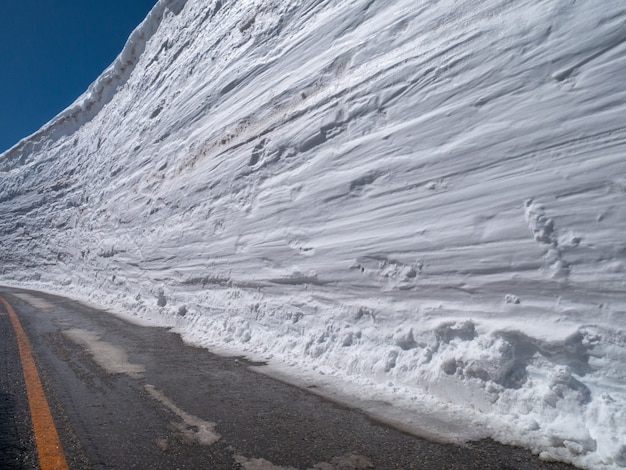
123	396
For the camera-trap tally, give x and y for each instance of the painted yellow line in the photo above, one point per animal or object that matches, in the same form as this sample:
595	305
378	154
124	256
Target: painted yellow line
49	450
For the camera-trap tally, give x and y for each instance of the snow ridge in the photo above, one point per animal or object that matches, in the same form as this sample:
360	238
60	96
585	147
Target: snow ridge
88	105
421	205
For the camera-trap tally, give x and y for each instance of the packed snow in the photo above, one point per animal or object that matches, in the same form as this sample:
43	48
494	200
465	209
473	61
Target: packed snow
421	204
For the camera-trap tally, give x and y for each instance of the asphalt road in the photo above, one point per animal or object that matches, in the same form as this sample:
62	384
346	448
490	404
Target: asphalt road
129	397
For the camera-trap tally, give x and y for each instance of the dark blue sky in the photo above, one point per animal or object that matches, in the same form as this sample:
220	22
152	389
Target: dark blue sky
51	51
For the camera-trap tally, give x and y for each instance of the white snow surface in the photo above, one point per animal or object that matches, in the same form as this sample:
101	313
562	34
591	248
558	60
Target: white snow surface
421	203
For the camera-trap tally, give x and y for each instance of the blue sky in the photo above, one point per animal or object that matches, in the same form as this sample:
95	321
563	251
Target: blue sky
51	51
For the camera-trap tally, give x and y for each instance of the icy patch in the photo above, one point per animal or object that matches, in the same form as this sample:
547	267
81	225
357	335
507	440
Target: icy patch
345	462
192	428
36	302
111	358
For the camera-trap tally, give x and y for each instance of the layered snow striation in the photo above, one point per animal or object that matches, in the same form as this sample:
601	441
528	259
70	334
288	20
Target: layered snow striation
422	202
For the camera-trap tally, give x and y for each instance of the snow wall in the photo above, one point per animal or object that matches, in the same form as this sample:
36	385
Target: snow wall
414	202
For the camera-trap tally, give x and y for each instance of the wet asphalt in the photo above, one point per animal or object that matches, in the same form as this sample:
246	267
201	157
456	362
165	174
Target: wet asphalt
177	406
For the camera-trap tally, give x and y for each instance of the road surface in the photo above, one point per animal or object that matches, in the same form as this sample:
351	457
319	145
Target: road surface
122	396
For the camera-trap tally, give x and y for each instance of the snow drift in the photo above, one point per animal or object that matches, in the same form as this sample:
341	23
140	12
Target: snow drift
422	202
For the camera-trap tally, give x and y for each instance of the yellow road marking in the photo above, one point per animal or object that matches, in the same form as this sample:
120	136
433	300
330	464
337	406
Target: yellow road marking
49	450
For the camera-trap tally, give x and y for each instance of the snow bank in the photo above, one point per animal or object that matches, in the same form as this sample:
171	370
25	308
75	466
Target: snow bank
415	204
